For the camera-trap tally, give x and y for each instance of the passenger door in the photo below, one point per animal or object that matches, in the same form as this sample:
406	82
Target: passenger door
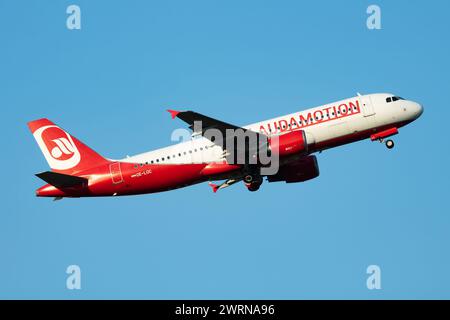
367	106
116	173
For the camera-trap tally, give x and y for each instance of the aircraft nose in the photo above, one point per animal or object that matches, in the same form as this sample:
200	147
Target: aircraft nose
418	110
414	110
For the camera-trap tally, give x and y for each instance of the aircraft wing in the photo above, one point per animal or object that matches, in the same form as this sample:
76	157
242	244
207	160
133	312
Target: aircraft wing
190	117
226	184
226	141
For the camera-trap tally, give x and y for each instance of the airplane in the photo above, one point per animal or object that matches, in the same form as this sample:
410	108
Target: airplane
79	171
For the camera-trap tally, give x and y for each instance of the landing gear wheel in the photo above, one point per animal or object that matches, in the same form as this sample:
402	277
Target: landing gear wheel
389	144
252	181
248	178
253	187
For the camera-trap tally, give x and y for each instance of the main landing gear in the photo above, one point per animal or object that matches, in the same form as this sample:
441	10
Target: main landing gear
252	182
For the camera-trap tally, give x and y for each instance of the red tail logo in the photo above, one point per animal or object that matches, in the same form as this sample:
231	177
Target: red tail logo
63	152
58	147
63	147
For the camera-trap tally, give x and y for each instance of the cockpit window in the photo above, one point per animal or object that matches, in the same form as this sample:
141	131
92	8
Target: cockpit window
395	98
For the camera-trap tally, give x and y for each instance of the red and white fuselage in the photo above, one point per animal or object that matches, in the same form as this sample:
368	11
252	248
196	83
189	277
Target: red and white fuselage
375	116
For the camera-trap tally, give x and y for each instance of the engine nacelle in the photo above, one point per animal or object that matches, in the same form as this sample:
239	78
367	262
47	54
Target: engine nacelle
303	169
289	143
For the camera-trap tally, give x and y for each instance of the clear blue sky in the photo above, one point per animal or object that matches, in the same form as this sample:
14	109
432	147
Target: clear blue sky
110	83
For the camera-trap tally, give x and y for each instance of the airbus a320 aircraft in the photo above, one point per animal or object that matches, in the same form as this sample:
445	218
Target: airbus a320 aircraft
78	171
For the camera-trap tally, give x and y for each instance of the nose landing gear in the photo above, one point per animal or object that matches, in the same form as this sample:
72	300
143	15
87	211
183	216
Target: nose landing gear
389	144
380	136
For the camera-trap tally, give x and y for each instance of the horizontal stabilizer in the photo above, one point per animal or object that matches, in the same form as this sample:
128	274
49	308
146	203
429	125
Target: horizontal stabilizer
60	180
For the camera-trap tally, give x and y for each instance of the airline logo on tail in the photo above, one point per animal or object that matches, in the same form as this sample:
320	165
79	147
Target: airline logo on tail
58	147
63	147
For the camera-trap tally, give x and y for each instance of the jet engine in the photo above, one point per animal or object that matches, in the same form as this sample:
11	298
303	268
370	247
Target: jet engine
294	142
303	169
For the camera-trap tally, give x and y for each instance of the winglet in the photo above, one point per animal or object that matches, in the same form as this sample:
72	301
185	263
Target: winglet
173	113
214	187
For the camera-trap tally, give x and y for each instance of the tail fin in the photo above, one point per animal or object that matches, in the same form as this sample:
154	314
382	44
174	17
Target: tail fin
63	152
